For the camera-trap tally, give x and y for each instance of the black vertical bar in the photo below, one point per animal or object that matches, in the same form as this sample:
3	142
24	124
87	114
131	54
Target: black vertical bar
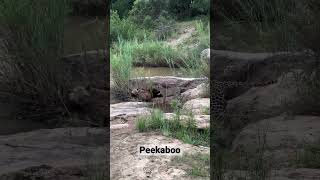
107	76
211	99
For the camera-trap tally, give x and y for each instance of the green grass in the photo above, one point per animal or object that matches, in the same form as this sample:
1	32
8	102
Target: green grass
121	65
185	131
154	53
196	165
126	29
206	111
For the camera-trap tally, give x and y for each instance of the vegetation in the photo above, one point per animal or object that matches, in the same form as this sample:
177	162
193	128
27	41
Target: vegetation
35	79
144	27
197	164
268	25
181	128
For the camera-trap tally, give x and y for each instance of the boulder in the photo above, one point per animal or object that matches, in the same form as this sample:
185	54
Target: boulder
259	103
197	106
166	87
57	148
282	136
200	91
257	67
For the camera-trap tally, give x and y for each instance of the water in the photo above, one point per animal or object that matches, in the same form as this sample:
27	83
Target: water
155	71
83	33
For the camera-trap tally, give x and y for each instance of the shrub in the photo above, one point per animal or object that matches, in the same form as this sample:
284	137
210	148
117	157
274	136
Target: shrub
125	29
122	7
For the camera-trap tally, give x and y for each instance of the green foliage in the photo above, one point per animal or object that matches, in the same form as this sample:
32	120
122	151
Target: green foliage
125	29
122	7
36	77
121	65
197	165
36	27
200	6
150	52
186	132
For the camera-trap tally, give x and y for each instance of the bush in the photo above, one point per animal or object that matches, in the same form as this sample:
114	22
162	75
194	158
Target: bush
125	29
122	7
35	78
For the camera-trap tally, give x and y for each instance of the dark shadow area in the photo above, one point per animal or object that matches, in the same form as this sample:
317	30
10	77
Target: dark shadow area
265	89
54	93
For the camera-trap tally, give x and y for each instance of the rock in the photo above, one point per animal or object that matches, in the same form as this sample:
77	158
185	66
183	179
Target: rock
283	137
142	94
202	121
47	173
197	106
198	92
126	111
57	148
205	55
166	87
119	126
259	103
257	67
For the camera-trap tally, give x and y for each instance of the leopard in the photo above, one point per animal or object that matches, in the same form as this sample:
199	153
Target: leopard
219	103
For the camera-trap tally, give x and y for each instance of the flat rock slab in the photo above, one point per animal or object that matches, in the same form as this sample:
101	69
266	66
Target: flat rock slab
128	165
197	106
167	82
124	111
61	147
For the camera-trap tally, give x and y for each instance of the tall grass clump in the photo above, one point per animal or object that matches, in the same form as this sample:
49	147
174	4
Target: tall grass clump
121	65
126	29
34	76
202	30
192	63
267	25
154	53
